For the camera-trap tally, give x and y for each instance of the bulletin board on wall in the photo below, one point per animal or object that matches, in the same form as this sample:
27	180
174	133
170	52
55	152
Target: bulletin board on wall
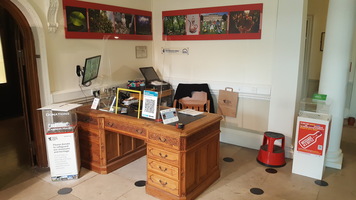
86	20
214	23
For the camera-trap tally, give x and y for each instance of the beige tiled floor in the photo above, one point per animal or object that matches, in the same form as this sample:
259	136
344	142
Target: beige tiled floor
237	178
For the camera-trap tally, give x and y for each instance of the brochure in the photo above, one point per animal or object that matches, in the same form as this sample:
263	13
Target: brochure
190	112
149	107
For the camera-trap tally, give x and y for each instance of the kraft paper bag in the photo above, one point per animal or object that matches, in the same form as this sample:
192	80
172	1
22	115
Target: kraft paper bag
227	102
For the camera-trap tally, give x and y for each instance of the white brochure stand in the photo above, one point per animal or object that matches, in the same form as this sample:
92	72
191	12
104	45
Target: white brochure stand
311	140
62	143
63	153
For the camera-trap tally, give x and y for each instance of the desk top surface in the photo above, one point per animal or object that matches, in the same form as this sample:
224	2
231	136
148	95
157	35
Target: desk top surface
203	121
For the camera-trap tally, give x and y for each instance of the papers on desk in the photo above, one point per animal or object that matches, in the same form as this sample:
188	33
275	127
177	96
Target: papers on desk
190	112
158	83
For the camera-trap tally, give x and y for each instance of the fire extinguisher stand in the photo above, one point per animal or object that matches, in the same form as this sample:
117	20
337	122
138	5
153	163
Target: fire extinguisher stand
311	141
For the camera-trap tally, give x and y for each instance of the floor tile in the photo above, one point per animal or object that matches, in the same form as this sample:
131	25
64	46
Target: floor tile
138	193
103	187
33	189
135	171
65	197
235	182
84	175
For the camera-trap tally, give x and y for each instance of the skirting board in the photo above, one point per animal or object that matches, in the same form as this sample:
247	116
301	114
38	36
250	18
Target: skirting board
242	138
247	139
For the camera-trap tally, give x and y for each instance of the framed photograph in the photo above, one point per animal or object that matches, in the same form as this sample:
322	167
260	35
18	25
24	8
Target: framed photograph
214	23
245	21
174	25
141	51
192	26
143	25
86	20
76	19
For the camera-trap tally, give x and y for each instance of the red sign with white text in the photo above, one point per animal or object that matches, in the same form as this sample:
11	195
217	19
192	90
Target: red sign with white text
311	138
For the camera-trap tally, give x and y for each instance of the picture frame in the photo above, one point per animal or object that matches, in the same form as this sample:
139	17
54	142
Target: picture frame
139	94
86	20
214	23
141	51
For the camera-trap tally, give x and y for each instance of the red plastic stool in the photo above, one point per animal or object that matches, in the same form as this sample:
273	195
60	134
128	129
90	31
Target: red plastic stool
271	155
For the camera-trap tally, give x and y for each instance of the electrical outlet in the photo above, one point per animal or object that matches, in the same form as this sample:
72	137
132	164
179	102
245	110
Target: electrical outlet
96	93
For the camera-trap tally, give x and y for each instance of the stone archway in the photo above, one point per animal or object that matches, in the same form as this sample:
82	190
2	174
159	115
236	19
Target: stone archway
32	95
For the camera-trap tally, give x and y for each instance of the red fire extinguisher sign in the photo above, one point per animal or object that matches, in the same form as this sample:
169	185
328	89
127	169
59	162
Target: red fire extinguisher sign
311	138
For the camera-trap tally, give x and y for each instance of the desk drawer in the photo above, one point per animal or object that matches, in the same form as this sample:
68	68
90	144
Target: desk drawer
162	155
114	125
163	183
164	169
164	140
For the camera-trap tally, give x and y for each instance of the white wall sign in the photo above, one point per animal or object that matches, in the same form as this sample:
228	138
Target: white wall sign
177	51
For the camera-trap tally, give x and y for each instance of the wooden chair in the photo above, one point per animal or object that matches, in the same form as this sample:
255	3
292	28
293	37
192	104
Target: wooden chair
199	102
186	90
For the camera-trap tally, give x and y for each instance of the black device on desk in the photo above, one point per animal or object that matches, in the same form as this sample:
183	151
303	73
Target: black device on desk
152	79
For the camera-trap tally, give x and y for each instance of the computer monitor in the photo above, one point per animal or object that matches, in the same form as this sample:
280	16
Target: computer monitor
91	69
150	74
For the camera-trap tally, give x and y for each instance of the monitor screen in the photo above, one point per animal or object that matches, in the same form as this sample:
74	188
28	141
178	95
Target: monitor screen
149	73
91	69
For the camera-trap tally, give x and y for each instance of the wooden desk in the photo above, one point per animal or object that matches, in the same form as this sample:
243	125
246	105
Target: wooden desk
181	164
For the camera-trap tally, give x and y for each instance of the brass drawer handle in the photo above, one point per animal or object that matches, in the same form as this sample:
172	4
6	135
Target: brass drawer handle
110	124
163	170
162	183
162	140
163	156
139	131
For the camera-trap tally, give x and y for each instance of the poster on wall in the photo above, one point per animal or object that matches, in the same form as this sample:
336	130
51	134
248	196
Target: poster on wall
192	25
143	25
215	23
97	21
311	138
76	19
